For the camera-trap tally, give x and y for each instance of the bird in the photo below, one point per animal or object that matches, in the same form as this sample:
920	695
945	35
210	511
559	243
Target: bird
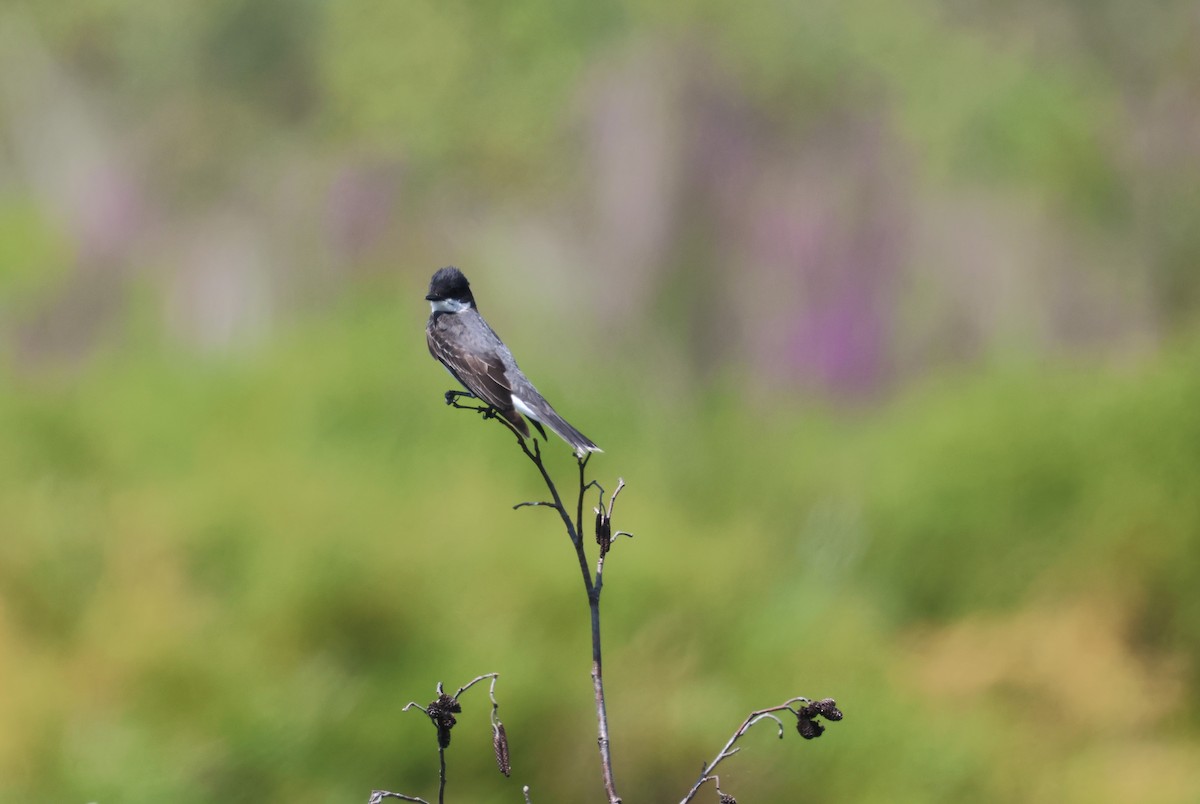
462	341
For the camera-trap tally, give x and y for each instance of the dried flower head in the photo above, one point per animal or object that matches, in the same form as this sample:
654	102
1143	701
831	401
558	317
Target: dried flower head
728	799
441	711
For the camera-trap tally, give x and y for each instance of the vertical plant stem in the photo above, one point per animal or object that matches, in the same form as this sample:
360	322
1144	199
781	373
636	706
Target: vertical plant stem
601	708
442	776
592	588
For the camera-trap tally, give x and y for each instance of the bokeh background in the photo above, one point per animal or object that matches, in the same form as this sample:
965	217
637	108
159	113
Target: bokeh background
886	311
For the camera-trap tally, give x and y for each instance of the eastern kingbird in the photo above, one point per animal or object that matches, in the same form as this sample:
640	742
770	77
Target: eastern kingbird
464	343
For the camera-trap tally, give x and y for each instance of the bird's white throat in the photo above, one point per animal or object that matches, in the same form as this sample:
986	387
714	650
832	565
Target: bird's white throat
448	306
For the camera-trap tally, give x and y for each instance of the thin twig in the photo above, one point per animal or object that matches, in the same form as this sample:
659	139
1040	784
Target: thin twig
473	682
492	695
729	750
379	795
583	487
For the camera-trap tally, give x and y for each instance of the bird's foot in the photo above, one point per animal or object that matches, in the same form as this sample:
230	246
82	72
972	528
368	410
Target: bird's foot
486	410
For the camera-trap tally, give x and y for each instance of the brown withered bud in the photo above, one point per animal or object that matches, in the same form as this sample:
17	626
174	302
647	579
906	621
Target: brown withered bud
442	712
603	532
500	745
728	799
809	729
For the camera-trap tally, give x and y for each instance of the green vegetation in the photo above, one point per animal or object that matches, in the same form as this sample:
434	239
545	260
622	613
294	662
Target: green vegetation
887	313
223	581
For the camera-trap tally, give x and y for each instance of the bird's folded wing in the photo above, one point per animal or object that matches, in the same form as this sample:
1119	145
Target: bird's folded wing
482	374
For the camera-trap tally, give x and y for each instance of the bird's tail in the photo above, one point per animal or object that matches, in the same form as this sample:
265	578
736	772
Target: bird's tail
541	411
578	441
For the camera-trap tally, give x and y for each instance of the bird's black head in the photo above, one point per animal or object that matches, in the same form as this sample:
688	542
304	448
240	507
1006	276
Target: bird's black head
449	290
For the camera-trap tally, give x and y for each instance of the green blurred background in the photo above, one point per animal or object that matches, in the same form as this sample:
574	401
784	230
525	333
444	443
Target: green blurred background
885	311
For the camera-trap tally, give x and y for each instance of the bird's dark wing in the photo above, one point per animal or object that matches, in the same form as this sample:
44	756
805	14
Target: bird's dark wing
482	374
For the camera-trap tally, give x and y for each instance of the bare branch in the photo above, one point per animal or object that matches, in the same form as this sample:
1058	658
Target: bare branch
379	795
729	749
583	487
476	680
441	712
574	529
806	716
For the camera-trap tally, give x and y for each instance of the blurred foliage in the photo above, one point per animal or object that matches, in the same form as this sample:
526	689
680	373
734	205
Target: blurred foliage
492	80
223	581
240	530
33	257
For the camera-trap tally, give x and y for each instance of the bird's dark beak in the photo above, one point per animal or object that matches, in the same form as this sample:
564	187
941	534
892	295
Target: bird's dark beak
432	297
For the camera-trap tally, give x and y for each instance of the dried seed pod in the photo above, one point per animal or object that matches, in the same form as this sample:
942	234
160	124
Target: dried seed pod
603	532
500	745
809	729
827	708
